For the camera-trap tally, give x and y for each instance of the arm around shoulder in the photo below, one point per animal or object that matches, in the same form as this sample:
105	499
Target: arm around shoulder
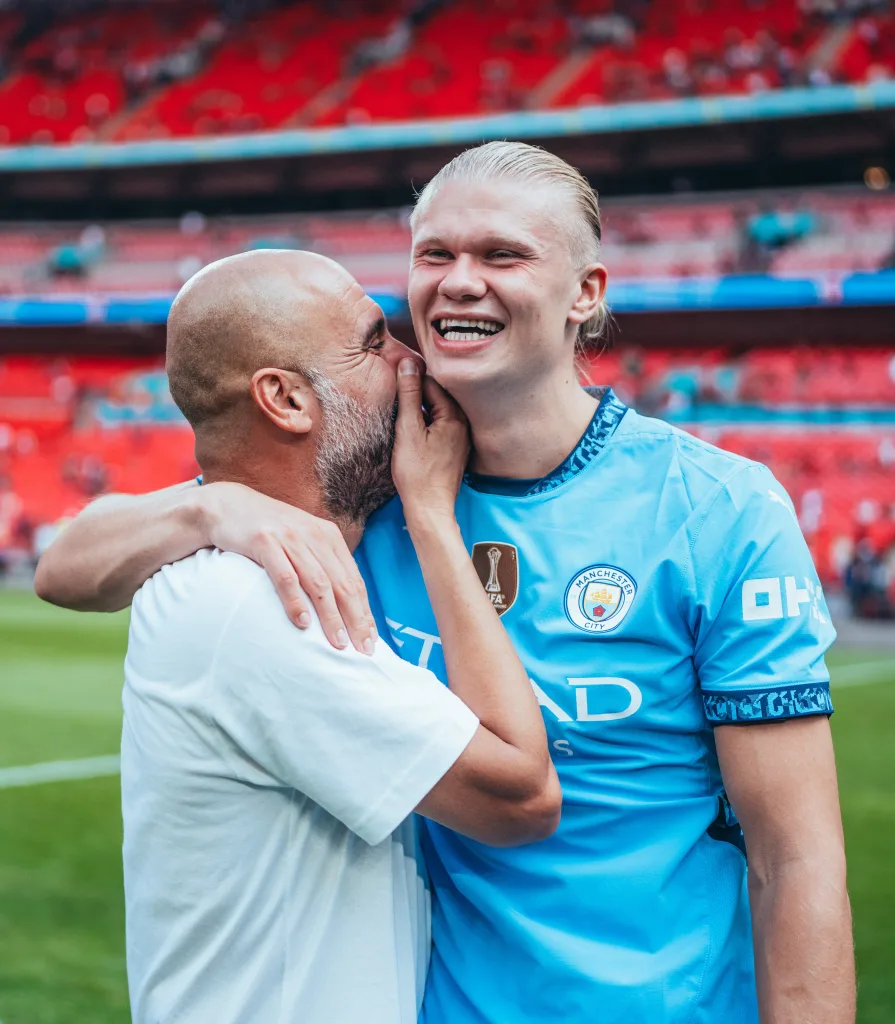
115	544
119	541
370	739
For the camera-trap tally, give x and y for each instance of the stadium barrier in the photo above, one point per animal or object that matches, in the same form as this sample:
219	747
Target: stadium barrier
541	124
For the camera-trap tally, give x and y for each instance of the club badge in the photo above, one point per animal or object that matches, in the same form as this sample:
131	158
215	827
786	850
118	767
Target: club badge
599	597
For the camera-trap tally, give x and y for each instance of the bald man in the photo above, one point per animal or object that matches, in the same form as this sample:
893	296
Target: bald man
267	776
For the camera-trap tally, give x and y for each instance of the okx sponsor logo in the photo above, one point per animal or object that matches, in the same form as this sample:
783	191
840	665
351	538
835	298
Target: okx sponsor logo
781	597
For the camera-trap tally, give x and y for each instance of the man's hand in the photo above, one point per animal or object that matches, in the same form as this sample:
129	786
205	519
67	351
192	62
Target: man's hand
114	545
429	459
304	556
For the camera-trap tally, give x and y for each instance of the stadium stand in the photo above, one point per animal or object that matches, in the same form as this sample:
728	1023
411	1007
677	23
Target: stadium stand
74	428
200	69
788	235
70	81
260	77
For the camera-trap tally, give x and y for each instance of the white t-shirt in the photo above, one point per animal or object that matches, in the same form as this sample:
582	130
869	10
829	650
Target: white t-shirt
270	870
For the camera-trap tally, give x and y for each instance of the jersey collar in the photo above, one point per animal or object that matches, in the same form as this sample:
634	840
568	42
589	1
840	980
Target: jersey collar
594	439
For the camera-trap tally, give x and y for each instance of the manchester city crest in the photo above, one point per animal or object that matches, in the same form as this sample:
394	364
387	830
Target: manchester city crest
599	597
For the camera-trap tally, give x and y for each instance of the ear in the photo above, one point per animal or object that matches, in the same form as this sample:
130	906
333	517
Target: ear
287	400
591	293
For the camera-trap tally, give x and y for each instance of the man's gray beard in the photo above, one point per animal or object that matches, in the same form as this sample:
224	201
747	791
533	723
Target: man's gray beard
354	453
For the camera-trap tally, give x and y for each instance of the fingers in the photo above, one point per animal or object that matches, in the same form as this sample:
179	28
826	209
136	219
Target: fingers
328	578
279	567
348	590
316	583
410	394
439	402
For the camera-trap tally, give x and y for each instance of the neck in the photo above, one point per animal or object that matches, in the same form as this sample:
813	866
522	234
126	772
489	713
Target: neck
294	485
524	435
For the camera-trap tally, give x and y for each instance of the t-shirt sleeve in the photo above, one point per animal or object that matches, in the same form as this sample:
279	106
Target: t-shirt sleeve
364	737
758	613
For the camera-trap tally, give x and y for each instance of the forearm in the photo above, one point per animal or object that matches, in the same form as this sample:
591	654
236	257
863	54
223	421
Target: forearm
103	558
804	955
482	666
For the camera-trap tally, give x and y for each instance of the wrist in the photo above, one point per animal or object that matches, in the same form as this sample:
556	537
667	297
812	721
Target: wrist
197	512
430	519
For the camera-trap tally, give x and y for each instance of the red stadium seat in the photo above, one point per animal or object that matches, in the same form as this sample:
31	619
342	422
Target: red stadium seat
90	75
56	453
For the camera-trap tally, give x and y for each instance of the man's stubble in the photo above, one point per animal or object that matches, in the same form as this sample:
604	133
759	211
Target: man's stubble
354	453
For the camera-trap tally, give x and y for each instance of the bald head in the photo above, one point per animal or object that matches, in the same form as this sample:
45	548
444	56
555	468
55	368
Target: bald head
275	307
285	369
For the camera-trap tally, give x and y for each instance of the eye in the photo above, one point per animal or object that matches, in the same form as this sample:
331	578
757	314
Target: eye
436	254
376	346
503	254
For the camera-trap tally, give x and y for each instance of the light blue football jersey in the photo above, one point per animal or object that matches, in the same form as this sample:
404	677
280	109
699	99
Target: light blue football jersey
654	587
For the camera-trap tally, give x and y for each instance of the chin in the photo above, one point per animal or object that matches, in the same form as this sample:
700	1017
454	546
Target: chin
457	375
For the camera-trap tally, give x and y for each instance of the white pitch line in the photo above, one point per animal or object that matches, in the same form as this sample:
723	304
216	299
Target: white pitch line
59	771
861	673
110	764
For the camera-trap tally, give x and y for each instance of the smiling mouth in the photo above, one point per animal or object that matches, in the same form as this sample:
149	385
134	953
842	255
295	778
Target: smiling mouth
467	330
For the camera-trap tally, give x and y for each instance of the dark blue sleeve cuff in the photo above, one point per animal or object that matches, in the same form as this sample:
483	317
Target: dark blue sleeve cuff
768	704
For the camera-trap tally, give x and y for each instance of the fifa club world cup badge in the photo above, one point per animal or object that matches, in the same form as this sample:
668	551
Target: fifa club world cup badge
498	567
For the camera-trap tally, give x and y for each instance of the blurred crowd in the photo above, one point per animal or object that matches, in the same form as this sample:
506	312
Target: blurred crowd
74	71
823	419
869	578
821	238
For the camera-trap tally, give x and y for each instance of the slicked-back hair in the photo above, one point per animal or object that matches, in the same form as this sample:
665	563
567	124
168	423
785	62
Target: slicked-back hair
520	162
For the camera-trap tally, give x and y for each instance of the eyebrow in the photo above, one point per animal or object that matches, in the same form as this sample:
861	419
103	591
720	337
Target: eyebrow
488	242
429	240
374	330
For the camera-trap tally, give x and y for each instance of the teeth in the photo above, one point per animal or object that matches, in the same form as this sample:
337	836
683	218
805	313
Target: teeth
482	325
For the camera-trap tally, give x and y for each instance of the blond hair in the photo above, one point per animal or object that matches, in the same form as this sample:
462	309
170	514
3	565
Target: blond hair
520	162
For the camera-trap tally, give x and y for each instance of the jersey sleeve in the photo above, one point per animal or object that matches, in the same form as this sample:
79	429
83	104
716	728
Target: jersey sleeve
758	613
364	737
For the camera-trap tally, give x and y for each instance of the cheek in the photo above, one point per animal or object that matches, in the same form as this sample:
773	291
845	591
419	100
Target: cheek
521	297
415	282
420	283
372	384
383	383
553	300
427	347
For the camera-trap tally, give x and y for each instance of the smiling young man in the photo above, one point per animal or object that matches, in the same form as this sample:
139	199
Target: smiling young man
665	606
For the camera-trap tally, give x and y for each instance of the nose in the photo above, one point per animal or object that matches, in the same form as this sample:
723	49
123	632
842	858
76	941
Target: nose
462	280
394	351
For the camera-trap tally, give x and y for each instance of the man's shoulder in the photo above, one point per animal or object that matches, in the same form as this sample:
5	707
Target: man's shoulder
198	592
211	609
204	570
669	441
703	469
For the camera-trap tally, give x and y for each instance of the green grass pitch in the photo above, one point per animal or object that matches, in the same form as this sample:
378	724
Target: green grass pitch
61	910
